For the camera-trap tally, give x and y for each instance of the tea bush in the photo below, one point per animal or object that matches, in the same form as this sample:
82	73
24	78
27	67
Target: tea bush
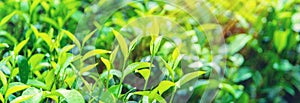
61	51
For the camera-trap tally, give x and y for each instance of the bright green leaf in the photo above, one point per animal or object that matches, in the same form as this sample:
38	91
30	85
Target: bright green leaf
122	42
87	68
187	77
20	46
134	66
72	96
73	38
93	53
106	63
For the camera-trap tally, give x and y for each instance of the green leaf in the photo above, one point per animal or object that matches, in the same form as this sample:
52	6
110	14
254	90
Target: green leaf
36	83
87	68
3	80
93	53
14	89
87	37
281	39
35	60
73	38
72	96
1	98
6	18
239	42
35	93
228	88
169	68
145	73
122	42
24	68
134	66
22	98
157	44
67	48
20	46
4	45
151	95
163	86
133	43
35	31
113	54
187	77
241	75
34	5
47	39
49	79
115	90
106	63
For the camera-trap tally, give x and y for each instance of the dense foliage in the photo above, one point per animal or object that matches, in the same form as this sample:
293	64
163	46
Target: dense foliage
62	51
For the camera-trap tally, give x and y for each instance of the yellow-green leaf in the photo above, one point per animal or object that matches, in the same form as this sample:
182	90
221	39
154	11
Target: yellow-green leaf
46	38
1	98
3	80
93	53
163	86
122	42
22	98
87	68
113	54
35	31
6	18
73	38
169	68
87	37
20	46
14	89
145	73
187	77
134	66
67	48
106	63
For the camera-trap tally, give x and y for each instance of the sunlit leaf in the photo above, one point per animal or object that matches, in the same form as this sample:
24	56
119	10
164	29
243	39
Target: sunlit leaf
239	42
93	53
169	68
1	97
35	60
280	40
67	48
134	66
20	46
71	96
87	37
4	45
106	63
145	73
115	90
163	86
3	80
87	68
73	38
187	77
113	54
122	42
35	93
6	18
14	89
22	98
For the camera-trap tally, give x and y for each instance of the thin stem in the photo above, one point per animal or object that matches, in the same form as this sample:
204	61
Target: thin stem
150	67
173	94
